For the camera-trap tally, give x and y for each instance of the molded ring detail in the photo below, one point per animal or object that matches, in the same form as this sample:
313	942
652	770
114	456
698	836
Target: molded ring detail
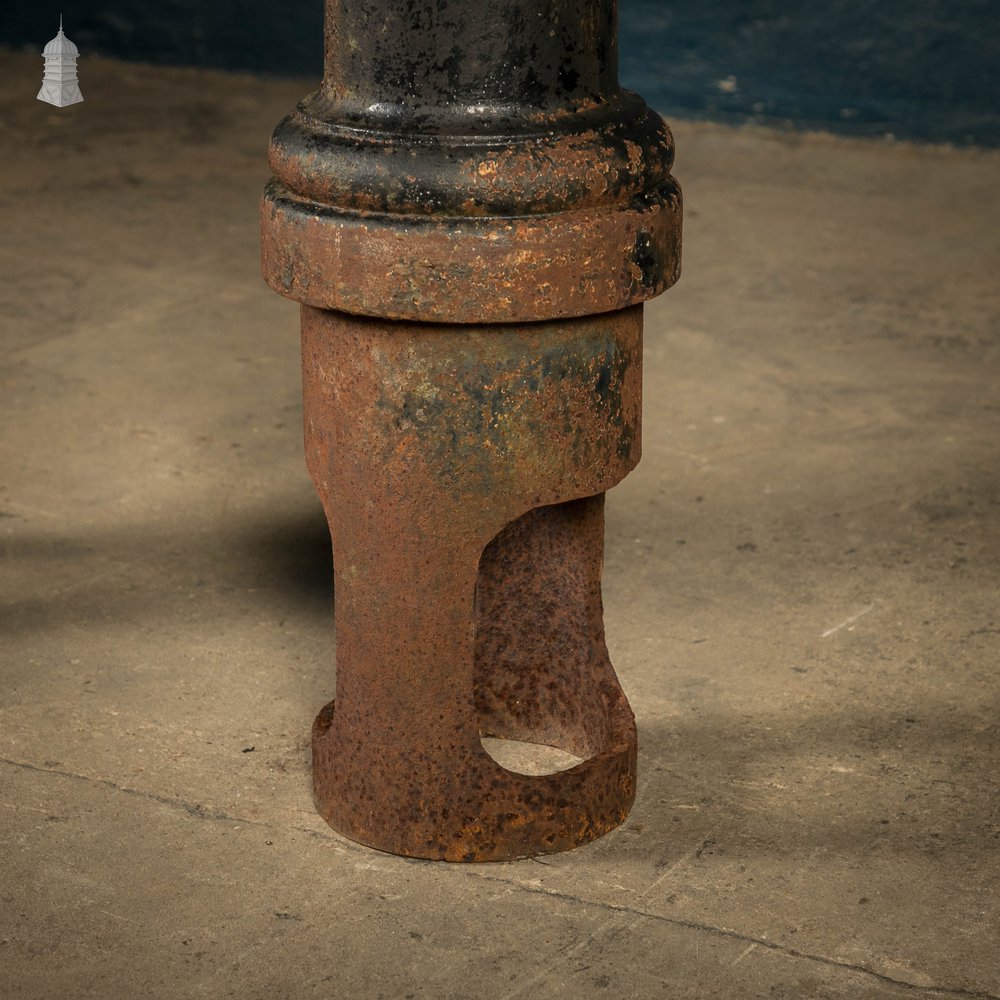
471	269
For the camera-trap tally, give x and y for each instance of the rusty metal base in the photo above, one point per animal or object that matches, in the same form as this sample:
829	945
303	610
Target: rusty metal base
463	472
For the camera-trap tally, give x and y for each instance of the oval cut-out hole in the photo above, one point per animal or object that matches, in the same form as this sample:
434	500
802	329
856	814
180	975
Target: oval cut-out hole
529	758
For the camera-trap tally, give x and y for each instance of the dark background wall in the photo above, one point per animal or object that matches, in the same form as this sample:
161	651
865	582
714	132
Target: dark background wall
916	69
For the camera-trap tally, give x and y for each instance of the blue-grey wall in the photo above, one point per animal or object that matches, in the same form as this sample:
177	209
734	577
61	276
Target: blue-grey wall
922	69
919	69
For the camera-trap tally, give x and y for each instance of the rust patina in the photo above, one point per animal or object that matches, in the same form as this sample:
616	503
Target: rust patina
471	220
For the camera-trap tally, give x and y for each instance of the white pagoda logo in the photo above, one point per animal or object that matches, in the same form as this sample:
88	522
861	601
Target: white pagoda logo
59	85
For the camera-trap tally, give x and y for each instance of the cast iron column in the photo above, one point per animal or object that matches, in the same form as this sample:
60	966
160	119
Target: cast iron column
471	211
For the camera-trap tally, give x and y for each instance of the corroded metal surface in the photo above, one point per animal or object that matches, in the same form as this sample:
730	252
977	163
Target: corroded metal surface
437	155
463	473
471	211
508	269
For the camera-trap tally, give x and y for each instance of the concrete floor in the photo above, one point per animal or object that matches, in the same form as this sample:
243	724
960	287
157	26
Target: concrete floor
801	591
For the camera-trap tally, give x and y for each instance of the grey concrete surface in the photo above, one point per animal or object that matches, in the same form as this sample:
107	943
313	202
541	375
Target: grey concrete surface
801	591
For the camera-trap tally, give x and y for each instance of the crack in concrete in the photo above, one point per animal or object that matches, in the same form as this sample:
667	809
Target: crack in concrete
191	808
199	811
944	991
